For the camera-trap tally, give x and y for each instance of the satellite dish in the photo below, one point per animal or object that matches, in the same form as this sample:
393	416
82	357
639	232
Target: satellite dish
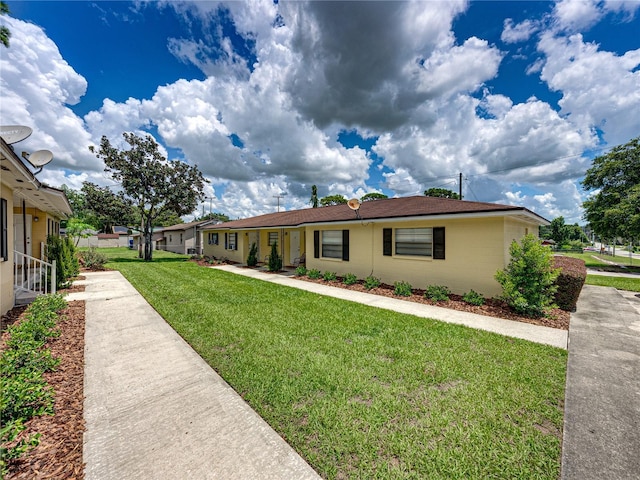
14	133
354	204
40	158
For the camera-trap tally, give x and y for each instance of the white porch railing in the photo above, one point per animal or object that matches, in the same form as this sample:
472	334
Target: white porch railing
32	276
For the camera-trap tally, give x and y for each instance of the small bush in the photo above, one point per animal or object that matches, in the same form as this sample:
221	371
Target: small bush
349	279
570	281
473	298
371	282
314	273
252	259
402	289
528	282
437	293
301	270
329	276
275	260
93	260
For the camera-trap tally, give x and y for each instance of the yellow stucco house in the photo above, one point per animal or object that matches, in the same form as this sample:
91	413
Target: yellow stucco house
421	240
29	212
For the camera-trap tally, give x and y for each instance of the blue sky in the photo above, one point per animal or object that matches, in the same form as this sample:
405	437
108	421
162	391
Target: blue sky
355	97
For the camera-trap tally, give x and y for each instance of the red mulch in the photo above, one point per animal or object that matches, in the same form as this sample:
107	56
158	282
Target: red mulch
493	308
59	454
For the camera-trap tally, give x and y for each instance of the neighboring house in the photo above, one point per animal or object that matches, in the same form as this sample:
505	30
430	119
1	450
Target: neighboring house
121	237
421	240
157	239
29	212
185	238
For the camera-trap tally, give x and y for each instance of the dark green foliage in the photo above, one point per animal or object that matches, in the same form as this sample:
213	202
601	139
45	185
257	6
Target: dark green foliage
473	298
368	197
63	252
25	393
437	293
371	282
349	279
314	273
333	200
275	260
528	282
442	193
402	289
252	259
301	271
573	274
329	276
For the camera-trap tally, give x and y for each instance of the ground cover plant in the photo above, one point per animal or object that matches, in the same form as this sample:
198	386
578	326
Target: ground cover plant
362	392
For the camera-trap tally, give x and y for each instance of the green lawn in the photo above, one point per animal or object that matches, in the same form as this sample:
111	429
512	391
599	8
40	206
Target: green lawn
361	392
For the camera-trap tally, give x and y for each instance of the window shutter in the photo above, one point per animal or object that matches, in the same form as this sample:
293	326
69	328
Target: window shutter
235	244
438	243
316	244
387	241
4	239
345	245
226	240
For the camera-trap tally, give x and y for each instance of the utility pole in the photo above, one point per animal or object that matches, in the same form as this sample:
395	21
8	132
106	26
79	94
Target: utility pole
460	186
279	197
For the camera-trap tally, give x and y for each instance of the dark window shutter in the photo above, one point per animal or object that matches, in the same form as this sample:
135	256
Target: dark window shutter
345	245
236	241
438	243
226	240
4	225
316	244
387	241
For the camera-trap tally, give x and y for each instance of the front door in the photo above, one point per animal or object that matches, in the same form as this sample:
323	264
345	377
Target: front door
294	245
19	232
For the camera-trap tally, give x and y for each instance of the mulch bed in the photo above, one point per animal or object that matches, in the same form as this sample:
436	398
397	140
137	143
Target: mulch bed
556	318
59	454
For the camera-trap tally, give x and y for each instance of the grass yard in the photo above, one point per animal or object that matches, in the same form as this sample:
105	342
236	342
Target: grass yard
621	283
361	392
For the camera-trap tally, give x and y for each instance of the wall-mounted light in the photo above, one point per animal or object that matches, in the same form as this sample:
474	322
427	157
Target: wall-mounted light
35	219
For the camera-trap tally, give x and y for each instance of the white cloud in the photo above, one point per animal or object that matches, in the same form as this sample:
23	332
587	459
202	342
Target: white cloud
514	33
599	88
576	15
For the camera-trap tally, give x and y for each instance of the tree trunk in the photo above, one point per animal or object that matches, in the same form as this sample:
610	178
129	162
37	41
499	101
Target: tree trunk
148	246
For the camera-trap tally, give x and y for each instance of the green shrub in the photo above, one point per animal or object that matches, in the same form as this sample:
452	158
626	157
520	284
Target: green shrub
528	282
275	261
314	273
349	279
25	393
63	252
570	281
301	270
437	293
371	282
93	260
473	298
252	259
402	289
329	276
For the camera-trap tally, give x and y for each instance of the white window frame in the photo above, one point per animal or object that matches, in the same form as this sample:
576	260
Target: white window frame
413	242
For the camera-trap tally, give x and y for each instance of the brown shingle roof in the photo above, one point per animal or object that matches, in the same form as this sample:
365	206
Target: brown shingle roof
418	206
183	226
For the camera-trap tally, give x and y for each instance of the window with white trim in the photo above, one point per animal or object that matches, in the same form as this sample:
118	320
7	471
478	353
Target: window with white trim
414	241
332	243
213	238
273	238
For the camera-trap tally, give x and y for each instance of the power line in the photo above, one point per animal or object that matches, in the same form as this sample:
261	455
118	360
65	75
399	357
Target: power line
279	197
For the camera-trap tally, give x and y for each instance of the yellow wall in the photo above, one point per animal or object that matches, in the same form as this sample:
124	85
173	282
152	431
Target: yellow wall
219	252
6	267
475	248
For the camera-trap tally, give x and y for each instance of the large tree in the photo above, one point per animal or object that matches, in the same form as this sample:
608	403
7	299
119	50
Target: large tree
333	200
367	197
314	196
109	208
5	34
153	184
614	210
441	193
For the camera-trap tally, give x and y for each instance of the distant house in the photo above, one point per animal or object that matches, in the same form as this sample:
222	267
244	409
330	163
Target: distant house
29	212
185	238
421	240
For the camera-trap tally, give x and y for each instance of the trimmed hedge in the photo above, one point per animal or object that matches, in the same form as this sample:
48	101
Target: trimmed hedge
572	276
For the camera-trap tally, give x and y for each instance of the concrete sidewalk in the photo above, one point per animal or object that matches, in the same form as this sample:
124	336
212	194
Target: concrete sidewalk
602	402
526	331
155	410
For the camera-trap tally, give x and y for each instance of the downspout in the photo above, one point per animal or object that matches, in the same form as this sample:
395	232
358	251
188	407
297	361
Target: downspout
24	226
